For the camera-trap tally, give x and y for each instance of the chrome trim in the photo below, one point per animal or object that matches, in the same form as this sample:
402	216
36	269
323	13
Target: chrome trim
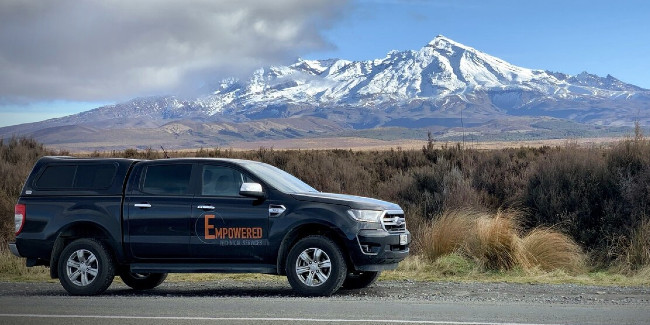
394	221
14	249
251	187
276	210
361	248
142	205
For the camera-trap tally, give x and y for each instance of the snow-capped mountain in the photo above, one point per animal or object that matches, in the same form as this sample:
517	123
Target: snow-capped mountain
444	75
441	84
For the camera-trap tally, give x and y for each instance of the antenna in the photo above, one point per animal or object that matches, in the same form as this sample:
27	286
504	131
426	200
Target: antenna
165	152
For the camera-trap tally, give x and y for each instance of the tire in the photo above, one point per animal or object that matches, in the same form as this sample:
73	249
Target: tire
86	267
315	266
142	281
360	280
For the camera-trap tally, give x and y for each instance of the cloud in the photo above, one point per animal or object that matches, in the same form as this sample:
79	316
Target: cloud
114	50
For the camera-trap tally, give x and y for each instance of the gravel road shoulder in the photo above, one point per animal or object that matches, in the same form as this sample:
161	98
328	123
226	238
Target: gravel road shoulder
383	290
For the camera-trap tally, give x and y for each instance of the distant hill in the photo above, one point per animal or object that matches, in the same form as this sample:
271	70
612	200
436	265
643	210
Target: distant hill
446	87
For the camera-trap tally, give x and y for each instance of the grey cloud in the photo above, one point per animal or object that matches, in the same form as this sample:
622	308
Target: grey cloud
108	50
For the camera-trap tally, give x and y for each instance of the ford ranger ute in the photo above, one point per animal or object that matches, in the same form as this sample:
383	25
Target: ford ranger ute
92	219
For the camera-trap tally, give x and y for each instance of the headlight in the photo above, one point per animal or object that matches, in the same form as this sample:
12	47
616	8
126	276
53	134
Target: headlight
365	215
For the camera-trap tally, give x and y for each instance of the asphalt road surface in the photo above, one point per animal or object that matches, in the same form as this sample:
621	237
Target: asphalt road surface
273	302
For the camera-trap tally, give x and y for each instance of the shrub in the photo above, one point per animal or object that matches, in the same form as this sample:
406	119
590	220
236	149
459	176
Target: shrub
571	189
17	157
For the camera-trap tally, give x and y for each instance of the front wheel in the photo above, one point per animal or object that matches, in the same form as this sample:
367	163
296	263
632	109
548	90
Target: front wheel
86	267
142	281
315	266
360	280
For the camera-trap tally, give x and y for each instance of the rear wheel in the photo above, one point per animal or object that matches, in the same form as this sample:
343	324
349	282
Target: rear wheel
142	281
86	267
315	266
360	280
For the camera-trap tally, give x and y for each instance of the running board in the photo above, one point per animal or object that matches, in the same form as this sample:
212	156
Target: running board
203	268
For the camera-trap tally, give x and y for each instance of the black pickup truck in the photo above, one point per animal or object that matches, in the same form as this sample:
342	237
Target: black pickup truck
92	219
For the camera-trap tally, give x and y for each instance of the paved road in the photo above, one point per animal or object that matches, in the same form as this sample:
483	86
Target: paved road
263	302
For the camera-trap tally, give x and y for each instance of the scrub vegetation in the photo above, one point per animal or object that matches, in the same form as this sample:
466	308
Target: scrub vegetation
565	212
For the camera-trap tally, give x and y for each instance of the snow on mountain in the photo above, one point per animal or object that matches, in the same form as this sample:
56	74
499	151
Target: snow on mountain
434	86
440	70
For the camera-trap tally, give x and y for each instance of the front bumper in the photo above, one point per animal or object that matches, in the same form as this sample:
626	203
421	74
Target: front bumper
378	250
14	249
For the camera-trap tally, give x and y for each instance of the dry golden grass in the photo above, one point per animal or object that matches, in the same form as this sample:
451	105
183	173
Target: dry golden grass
639	250
551	250
635	255
494	241
447	233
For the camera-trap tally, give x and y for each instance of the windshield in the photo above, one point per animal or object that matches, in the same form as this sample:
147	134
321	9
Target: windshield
279	179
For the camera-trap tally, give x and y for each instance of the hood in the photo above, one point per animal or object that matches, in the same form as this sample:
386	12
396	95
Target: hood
354	202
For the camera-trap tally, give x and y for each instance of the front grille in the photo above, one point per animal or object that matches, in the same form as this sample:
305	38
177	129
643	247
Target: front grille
394	221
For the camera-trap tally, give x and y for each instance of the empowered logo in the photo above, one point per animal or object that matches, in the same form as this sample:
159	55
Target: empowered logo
212	232
212	229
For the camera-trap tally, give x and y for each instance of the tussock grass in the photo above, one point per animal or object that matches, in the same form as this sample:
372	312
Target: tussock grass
494	242
550	250
635	255
638	252
446	234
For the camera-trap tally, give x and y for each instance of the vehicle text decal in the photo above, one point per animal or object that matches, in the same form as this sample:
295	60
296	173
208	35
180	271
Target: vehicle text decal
212	232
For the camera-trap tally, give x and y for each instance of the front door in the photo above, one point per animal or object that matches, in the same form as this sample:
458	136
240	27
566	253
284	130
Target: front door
227	226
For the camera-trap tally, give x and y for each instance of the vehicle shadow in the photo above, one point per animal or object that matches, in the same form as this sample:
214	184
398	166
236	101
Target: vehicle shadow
198	290
226	289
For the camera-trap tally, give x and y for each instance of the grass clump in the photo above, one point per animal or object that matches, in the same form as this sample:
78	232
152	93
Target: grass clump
446	234
494	242
551	250
454	265
634	255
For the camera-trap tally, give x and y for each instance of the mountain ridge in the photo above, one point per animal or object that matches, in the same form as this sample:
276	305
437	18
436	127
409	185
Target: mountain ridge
438	86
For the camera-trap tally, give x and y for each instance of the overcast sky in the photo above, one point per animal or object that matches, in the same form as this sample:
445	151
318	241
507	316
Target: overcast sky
66	56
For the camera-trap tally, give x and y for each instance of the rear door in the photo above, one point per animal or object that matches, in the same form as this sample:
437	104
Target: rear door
226	226
159	208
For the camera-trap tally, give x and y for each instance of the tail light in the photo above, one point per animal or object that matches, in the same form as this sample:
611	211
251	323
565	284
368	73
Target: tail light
19	217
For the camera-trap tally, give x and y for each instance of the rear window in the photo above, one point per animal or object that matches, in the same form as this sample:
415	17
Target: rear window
77	177
167	179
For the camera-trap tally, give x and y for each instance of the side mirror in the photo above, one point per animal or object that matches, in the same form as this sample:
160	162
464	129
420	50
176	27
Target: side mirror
251	190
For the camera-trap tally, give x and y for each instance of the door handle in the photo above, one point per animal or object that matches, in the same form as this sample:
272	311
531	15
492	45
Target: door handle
206	207
276	210
142	205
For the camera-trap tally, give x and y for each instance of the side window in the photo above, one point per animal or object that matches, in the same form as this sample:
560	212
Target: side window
166	179
221	181
77	177
95	176
57	177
